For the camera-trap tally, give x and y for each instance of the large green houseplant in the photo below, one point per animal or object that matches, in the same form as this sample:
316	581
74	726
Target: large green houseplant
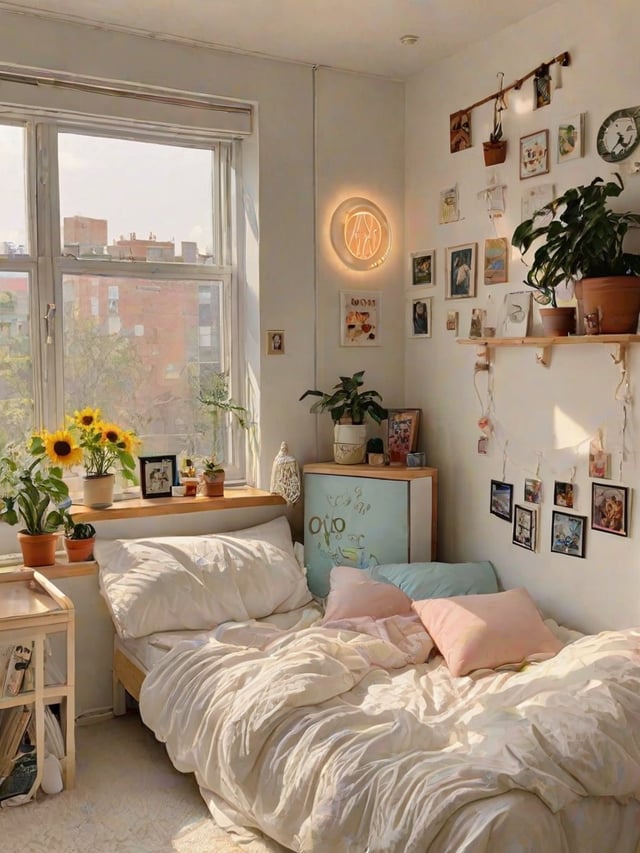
349	406
583	241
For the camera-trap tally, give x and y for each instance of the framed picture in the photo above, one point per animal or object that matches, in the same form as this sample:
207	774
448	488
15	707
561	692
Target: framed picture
534	198
157	475
534	154
501	500
609	508
570	139
461	271
525	527
563	494
514	315
423	268
496	259
533	490
459	131
542	88
402	435
568	533
275	342
420	317
360	318
449	207
478	316
452	321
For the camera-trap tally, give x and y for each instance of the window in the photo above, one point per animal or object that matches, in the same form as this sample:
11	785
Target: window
141	270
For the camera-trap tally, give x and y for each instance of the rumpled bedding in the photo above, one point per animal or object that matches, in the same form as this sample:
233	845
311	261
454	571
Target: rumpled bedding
333	739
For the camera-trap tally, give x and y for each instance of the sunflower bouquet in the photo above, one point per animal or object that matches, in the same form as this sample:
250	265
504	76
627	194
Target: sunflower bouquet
102	446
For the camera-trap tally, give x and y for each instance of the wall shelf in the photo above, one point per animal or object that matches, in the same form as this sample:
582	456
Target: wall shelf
544	345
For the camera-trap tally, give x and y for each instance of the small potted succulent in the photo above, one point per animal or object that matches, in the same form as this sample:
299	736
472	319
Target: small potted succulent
79	539
213	478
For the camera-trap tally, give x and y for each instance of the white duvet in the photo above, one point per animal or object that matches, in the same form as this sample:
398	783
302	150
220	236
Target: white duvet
326	740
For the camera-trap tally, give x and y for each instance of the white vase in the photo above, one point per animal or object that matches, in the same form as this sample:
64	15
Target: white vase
350	443
98	491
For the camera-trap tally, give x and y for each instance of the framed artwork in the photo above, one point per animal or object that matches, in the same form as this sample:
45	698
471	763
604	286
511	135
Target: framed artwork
360	318
449	209
534	198
542	88
534	154
568	533
610	508
157	475
461	271
478	316
514	315
275	342
563	494
423	268
533	490
496	255
525	527
459	131
420	317
452	321
501	500
570	140
402	436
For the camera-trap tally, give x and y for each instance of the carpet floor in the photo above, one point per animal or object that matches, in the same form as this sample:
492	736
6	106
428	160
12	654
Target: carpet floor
128	799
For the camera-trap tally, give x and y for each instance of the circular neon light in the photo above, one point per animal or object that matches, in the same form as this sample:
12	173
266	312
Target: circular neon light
360	234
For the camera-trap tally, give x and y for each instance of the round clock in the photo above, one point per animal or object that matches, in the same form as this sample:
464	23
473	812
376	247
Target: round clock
619	135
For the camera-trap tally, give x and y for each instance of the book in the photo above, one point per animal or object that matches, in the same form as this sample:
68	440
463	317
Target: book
13	726
22	775
16	667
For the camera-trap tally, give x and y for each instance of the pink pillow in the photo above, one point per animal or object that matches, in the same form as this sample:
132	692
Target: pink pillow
353	593
486	631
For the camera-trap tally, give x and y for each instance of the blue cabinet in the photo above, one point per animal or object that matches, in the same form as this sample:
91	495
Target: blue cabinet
361	515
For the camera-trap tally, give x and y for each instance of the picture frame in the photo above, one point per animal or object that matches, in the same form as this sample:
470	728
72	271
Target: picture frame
533	199
534	154
459	131
501	503
360	318
568	533
564	494
461	263
275	342
496	260
419	317
452	321
570	138
423	268
514	315
478	317
402	434
610	508
533	490
449	208
157	475
542	88
525	527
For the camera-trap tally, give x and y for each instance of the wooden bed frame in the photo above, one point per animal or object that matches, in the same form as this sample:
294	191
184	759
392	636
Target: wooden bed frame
128	676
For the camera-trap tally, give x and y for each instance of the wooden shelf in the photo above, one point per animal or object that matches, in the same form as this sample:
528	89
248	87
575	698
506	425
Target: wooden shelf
544	345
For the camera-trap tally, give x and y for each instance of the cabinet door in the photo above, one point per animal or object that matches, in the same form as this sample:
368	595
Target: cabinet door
353	521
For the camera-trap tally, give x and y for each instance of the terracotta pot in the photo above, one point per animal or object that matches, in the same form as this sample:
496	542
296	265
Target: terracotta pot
494	152
98	491
39	549
615	300
213	485
79	550
558	322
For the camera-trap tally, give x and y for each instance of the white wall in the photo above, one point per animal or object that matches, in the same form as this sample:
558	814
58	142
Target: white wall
548	411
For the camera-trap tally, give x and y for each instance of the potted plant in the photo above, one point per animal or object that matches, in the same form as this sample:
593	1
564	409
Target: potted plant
34	494
218	401
375	451
79	538
106	448
584	243
349	407
495	150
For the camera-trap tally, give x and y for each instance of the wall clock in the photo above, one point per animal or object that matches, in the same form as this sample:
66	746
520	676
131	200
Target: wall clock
619	134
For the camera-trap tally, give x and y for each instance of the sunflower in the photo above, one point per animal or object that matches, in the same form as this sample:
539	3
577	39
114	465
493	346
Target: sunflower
112	434
61	448
130	440
86	418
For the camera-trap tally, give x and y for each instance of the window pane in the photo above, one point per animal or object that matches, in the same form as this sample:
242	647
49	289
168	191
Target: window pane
13	204
135	200
140	349
16	381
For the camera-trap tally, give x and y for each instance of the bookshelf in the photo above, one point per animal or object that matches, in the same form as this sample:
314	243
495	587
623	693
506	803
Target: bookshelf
31	609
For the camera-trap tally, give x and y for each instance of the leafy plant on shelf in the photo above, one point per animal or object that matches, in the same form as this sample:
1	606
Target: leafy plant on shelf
78	529
31	486
217	400
105	446
348	401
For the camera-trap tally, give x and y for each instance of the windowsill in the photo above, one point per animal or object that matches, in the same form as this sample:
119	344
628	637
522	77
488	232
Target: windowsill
148	507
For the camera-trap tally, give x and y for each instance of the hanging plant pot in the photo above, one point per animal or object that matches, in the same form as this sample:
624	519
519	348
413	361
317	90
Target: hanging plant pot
494	152
38	549
98	491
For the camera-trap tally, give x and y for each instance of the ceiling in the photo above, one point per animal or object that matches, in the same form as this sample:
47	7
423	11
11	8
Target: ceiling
355	35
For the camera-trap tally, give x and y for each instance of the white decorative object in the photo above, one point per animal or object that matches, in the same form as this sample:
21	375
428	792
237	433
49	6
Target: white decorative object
285	475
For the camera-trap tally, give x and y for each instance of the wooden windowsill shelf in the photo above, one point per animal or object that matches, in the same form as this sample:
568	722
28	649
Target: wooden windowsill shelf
543	346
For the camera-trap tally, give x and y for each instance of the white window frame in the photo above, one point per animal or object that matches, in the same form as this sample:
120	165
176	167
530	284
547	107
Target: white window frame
46	264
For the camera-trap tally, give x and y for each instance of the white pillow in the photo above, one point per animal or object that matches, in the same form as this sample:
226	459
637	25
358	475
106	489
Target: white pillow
177	583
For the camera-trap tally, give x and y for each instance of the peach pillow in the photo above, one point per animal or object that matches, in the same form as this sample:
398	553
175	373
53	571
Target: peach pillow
486	631
353	593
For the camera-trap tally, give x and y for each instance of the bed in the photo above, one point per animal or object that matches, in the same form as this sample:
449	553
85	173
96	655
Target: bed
414	710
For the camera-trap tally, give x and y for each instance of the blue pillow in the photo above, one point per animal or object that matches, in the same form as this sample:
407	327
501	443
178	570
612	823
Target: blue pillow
438	580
